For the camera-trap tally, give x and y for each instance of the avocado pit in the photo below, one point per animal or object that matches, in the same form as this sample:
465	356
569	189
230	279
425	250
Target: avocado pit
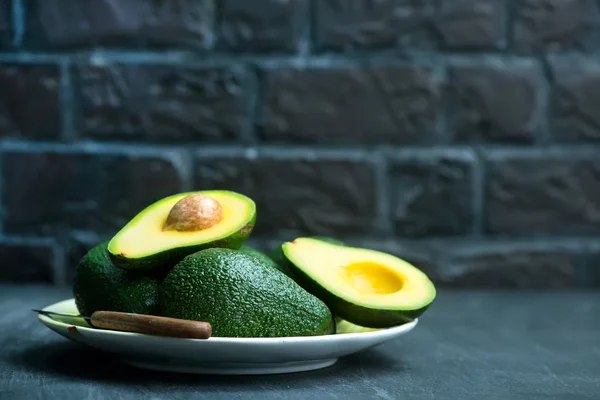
194	213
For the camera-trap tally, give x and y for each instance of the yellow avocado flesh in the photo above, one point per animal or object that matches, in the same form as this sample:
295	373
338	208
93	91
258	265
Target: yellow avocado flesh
343	326
369	278
144	234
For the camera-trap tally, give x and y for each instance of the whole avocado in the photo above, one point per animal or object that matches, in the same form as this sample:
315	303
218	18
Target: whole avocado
241	296
99	285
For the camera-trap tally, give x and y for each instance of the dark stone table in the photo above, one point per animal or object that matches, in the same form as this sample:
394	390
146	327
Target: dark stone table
470	345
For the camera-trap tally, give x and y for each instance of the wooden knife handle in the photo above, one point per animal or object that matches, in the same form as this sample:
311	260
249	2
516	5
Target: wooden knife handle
151	324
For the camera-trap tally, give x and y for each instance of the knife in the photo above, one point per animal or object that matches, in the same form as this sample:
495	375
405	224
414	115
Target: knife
142	323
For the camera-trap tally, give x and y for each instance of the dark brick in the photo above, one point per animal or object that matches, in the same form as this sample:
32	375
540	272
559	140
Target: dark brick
52	192
501	266
265	25
576	97
498	100
374	24
472	23
26	115
556	24
160	23
551	193
27	261
432	194
161	102
352	105
297	195
5	24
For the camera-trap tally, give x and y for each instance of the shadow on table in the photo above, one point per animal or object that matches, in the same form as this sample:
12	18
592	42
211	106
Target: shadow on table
75	362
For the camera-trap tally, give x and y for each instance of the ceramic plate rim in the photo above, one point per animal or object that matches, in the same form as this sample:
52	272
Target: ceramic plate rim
404	328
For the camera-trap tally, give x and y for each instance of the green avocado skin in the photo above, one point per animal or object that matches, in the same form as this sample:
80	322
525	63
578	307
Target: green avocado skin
99	285
241	297
172	256
284	264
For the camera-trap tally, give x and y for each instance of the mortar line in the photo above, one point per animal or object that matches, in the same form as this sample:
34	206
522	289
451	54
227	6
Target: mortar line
184	164
444	134
222	59
304	41
511	18
253	123
354	151
18	22
479	180
384	225
214	34
67	102
547	133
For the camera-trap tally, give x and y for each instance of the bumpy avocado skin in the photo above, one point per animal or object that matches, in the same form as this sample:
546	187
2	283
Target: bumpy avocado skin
277	254
172	256
99	285
241	297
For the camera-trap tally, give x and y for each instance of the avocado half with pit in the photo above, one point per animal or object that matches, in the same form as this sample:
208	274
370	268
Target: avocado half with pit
366	287
168	230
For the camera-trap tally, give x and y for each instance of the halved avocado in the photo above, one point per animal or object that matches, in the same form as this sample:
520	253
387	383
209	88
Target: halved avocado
278	257
366	287
165	232
344	326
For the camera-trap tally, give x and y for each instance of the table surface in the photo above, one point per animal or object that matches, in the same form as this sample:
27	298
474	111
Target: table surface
492	345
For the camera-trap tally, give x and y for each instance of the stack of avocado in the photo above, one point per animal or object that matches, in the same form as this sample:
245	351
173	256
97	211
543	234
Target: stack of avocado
184	257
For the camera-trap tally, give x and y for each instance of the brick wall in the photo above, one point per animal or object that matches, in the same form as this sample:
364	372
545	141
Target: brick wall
461	135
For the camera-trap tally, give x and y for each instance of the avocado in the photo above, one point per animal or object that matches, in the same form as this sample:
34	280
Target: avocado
344	326
99	285
241	296
263	257
277	254
366	287
170	229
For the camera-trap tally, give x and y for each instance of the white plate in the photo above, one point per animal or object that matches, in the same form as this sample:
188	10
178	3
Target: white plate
218	355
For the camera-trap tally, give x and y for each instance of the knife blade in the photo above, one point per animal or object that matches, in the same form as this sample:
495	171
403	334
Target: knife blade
142	323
